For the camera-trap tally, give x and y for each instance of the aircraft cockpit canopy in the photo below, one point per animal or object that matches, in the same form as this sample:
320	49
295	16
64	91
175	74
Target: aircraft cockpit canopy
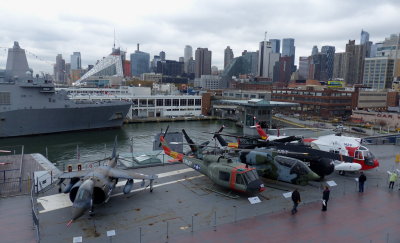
249	176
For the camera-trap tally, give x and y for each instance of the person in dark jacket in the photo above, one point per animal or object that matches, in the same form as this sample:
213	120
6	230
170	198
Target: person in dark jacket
361	180
325	198
296	200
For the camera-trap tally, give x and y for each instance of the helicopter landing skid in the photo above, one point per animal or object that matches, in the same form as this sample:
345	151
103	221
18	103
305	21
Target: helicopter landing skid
221	193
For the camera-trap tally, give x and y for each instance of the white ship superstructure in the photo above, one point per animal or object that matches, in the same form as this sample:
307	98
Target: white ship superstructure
143	103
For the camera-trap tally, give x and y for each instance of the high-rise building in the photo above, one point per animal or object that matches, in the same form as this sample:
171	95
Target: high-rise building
181	59
364	40
188	53
264	59
191	66
109	68
374	49
317	68
389	47
203	62
228	56
356	65
378	72
304	63
288	48
170	68
274	67
364	37
153	64
59	70
76	62
140	62
341	65
162	55
314	50
285	70
242	65
275	45
329	51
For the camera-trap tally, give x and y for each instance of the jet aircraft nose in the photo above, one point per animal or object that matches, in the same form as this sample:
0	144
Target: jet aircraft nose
77	211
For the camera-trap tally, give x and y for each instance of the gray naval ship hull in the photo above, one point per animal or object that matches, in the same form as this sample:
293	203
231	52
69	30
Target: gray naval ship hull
30	105
41	121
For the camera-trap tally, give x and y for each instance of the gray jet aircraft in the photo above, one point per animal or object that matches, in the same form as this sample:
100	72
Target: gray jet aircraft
94	186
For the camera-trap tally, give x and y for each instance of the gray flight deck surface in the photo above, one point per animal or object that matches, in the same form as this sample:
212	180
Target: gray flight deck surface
177	197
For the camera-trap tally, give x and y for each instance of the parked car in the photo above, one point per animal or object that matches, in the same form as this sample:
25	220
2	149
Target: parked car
357	129
340	127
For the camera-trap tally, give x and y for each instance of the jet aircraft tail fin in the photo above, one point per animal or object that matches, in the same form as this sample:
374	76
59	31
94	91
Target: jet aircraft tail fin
114	156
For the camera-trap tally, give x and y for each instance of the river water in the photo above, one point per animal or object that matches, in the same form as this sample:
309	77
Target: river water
62	147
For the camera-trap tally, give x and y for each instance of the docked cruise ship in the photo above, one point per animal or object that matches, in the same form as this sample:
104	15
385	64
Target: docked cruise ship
31	105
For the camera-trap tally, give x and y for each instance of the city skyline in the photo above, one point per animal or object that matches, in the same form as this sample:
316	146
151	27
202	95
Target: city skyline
88	28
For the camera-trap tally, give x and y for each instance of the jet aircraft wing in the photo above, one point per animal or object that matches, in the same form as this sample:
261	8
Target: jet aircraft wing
74	174
123	174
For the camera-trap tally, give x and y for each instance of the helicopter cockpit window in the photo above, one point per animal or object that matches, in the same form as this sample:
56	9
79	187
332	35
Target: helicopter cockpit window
369	158
225	176
299	169
239	179
250	175
287	162
358	155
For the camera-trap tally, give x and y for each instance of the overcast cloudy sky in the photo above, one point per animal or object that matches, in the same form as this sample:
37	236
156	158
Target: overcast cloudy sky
48	28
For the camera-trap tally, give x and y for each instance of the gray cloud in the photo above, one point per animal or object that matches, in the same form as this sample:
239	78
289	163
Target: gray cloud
212	24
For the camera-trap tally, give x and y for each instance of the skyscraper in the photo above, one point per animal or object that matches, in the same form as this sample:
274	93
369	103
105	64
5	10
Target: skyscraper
358	53
287	67
304	63
76	62
59	69
191	66
140	62
314	50
263	59
364	37
288	48
203	62
341	66
228	56
188	53
317	68
162	55
153	64
275	45
329	51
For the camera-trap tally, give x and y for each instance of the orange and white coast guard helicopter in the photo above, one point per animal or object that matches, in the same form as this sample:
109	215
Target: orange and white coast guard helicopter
348	146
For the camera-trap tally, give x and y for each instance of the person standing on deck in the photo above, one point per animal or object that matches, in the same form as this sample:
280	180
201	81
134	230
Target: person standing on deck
296	200
325	198
361	180
392	179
